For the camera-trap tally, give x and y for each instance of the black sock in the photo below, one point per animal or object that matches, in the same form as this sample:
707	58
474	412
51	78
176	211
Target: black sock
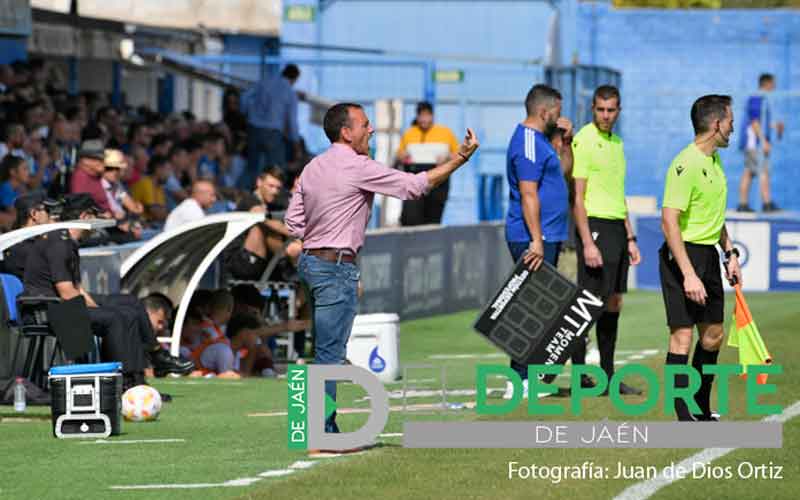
681	381
703	357
578	355
607	326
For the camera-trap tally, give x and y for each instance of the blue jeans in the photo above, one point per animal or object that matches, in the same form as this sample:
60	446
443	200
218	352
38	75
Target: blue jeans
334	300
517	249
266	148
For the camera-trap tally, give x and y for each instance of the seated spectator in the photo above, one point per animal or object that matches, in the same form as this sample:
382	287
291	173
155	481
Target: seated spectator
14	140
215	354
87	176
175	190
247	257
149	191
160	145
213	156
122	204
192	209
13	183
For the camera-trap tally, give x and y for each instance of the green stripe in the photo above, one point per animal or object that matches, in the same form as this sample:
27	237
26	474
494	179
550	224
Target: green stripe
297	383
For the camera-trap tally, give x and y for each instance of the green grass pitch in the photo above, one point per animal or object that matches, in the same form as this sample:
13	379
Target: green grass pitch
221	441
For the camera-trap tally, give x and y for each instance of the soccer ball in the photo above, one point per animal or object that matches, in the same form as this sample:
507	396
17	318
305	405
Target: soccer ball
141	404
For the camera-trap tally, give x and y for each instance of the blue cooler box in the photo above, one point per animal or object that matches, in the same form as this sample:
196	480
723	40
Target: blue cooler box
86	400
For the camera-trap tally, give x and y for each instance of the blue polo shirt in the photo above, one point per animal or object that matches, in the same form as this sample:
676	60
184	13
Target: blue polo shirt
757	108
530	157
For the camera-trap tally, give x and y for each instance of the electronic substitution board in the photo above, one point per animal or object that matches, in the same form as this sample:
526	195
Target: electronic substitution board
538	316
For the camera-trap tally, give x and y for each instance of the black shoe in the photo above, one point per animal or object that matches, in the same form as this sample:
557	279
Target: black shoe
625	390
587	382
744	208
710	417
164	363
165	398
770	207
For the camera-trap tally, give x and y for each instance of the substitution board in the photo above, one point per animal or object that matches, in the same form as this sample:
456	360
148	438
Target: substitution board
538	316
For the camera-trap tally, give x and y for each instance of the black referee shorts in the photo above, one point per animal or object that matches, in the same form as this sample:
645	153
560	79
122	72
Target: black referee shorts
682	311
611	239
245	265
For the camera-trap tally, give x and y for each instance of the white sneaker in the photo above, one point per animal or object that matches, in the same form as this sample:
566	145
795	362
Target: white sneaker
510	390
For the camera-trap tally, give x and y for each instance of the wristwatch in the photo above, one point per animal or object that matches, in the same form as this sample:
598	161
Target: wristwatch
632	238
733	251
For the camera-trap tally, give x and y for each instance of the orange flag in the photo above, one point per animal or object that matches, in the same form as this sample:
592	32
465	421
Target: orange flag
744	335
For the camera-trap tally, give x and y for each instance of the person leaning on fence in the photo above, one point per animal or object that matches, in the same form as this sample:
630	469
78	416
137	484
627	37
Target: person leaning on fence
329	211
693	221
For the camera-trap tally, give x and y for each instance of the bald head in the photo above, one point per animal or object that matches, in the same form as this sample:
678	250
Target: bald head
204	193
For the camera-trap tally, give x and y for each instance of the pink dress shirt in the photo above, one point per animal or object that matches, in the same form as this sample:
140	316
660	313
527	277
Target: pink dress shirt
333	200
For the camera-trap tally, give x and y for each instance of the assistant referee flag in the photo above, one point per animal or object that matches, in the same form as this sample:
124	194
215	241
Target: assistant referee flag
745	336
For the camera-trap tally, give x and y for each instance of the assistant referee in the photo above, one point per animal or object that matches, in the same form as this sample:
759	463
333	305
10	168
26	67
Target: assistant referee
606	245
693	221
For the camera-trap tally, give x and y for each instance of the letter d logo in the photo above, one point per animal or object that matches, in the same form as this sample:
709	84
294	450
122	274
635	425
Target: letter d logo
319	406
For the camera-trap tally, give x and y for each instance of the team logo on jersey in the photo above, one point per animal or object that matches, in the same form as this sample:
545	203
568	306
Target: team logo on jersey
595	234
679	169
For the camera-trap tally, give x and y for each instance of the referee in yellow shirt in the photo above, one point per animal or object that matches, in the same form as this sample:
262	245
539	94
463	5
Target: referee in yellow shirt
606	245
693	221
429	208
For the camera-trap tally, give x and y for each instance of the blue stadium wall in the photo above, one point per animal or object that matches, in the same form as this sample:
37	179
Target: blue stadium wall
670	57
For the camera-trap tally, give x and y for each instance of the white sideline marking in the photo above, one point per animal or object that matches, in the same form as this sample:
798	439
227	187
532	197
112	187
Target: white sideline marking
277	473
133	441
303	464
646	489
468	356
391	435
245	481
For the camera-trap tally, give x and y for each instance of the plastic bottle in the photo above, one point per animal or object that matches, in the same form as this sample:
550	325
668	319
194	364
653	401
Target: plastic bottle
19	396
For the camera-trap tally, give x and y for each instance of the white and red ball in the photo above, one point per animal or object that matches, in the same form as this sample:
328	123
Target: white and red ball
141	404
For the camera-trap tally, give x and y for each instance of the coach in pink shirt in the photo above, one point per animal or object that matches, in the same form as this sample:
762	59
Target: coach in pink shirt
329	212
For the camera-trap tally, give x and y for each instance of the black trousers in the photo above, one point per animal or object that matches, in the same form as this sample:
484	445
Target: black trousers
123	323
426	210
119	343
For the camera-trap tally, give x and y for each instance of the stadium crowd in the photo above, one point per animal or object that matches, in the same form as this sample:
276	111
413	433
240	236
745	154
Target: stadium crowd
79	154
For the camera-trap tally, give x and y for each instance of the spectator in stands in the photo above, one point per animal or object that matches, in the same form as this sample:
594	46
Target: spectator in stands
15	138
139	161
149	191
271	110
121	203
232	114
756	142
203	197
139	135
175	188
13	183
429	208
87	176
161	145
213	155
7	80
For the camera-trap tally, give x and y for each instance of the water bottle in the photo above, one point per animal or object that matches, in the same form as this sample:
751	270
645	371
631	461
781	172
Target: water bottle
19	396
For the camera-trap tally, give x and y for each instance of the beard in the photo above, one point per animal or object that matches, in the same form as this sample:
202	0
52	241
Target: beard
550	128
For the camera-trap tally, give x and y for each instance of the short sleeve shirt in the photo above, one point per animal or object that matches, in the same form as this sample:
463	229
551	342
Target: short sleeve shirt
530	157
696	185
600	159
53	259
756	109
